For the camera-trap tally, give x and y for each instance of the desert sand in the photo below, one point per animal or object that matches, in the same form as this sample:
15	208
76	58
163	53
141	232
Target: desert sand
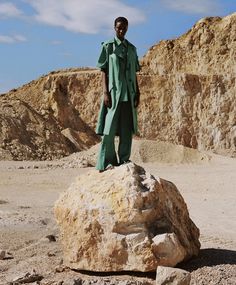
28	190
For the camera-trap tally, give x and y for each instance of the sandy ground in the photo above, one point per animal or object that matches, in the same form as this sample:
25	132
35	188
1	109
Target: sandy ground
28	191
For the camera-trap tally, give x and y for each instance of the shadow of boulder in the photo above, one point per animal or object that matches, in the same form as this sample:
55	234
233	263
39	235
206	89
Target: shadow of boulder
210	257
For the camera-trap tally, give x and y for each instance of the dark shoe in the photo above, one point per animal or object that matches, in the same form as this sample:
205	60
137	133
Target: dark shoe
125	162
109	167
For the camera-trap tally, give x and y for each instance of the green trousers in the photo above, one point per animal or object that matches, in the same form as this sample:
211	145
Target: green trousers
122	125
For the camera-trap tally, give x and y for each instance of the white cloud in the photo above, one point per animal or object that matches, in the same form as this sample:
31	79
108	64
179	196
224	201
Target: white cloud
84	16
193	6
9	10
12	39
20	38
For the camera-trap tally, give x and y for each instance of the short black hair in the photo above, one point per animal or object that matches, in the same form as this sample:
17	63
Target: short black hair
121	19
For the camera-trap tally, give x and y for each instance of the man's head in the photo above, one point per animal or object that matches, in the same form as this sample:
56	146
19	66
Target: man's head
121	27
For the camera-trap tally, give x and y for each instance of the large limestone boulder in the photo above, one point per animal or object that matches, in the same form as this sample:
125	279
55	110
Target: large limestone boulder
124	220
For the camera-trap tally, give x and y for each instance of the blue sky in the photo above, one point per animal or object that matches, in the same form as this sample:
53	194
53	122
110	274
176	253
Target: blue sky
39	36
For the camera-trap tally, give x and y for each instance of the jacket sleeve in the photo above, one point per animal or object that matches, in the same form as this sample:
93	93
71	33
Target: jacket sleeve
103	59
138	67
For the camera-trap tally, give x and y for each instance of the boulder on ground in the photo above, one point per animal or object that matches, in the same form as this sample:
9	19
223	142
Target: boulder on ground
124	220
172	276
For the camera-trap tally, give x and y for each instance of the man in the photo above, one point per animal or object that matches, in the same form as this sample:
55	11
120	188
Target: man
118	62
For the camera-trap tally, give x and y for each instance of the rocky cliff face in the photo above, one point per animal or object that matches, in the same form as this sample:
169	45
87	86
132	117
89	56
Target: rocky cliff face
191	82
38	123
207	49
187	92
192	110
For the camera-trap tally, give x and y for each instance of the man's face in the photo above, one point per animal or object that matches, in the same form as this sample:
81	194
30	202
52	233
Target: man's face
121	29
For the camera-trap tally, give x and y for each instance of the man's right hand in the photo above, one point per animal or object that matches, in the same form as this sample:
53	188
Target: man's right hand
107	100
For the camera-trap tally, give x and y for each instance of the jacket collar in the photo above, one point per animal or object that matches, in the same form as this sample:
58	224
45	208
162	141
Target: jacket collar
118	41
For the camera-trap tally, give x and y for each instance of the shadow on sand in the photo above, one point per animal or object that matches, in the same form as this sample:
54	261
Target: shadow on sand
210	257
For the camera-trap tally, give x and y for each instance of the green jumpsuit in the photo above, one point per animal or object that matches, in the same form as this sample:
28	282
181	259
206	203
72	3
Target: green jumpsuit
120	62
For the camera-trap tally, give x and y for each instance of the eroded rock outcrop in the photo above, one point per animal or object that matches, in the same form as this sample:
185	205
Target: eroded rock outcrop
195	111
208	48
191	81
124	219
47	128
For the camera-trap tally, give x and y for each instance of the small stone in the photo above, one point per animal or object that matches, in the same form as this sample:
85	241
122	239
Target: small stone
172	276
27	278
8	255
79	281
60	268
2	254
44	222
50	254
3	202
51	238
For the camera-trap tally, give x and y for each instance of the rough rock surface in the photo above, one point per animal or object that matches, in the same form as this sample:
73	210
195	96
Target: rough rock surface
29	130
191	85
187	91
195	111
172	276
207	48
124	220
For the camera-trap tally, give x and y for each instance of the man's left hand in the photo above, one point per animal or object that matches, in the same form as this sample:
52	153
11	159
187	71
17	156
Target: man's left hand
136	102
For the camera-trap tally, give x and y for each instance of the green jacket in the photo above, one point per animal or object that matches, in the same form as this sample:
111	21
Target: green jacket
109	61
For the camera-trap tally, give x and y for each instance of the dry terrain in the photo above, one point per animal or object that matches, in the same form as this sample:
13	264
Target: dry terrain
187	98
28	190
